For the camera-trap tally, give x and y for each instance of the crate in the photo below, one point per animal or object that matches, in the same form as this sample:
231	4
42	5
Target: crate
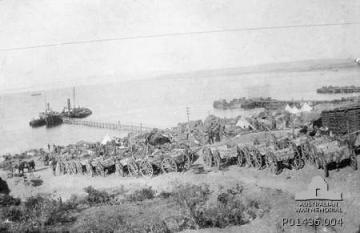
342	120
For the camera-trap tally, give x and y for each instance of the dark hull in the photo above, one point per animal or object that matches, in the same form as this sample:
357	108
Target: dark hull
338	90
53	120
37	123
78	113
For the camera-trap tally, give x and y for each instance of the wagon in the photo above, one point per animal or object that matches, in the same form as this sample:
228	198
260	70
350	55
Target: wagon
101	166
286	157
302	147
327	151
282	153
215	155
177	159
251	155
126	166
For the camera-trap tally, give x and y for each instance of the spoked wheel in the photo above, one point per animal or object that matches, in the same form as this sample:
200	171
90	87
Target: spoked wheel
146	169
187	162
305	150
119	169
295	149
100	169
89	169
240	157
74	168
353	162
256	157
133	168
313	154
298	163
168	165
207	156
272	163
68	168
248	158
79	167
216	159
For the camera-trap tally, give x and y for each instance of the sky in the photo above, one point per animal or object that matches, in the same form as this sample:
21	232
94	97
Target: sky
71	47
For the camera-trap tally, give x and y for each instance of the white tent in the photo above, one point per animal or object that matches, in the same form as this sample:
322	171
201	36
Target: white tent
106	139
288	108
292	110
306	108
243	123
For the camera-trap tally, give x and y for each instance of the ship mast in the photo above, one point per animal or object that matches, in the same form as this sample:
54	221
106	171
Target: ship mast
45	101
74	103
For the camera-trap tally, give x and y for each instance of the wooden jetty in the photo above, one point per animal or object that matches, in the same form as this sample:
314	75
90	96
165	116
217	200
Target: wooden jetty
107	125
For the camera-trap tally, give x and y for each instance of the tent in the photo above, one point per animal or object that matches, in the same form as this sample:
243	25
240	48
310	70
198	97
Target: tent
306	108
243	123
292	110
288	108
106	139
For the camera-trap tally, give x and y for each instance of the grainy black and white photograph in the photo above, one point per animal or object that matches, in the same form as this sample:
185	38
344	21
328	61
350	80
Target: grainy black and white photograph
191	116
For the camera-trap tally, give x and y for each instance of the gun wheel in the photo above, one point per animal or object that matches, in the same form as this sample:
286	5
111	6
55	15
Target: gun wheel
168	165
146	168
207	157
133	168
241	160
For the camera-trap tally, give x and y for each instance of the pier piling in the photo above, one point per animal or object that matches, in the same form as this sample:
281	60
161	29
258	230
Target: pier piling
107	125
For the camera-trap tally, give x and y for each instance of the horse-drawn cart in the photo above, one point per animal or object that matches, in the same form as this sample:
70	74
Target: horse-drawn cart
177	159
217	154
326	152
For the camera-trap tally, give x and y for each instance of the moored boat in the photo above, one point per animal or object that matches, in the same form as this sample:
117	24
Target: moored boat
75	112
38	122
53	119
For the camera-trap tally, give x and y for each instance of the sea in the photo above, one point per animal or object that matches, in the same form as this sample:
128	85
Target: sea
156	102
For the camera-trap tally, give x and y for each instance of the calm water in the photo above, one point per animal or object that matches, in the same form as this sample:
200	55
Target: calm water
160	103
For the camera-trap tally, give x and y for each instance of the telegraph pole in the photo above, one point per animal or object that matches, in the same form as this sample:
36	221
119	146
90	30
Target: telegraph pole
188	119
188	114
74	104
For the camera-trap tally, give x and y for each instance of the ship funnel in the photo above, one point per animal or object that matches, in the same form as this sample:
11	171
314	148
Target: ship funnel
68	104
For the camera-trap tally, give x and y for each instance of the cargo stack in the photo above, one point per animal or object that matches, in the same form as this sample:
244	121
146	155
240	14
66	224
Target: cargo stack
342	120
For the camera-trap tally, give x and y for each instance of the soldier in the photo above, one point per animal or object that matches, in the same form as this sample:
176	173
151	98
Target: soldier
53	165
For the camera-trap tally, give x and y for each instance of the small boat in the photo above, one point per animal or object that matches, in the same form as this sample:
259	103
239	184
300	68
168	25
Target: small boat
37	122
49	118
36	94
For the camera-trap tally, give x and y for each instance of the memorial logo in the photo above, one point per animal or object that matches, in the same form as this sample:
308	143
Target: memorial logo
318	198
317	206
318	189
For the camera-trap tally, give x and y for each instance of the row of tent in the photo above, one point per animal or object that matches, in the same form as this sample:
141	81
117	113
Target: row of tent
294	110
305	108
